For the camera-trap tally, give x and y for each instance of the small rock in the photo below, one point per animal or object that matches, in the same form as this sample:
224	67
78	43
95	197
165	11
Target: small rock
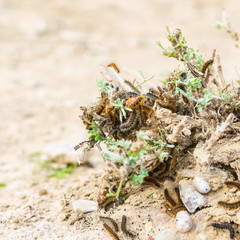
150	238
149	226
61	153
77	215
160	219
84	205
190	197
166	234
42	192
183	222
15	220
77	224
33	219
201	185
202	236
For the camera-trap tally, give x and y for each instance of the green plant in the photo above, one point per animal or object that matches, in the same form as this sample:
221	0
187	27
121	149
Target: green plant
133	153
57	171
180	49
116	195
145	79
95	134
119	104
62	172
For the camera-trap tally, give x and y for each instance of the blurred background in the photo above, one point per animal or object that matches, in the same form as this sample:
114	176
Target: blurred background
50	57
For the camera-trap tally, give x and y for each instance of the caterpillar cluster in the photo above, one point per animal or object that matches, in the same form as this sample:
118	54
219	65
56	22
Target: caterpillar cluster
113	232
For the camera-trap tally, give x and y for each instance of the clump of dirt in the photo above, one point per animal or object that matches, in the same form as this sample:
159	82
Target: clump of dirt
188	127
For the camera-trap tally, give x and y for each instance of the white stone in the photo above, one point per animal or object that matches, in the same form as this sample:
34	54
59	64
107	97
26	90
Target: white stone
201	185
166	234
61	153
183	222
84	205
190	197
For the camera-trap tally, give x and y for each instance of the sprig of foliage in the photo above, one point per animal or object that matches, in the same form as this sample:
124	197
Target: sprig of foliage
57	171
116	195
145	79
119	104
2	184
227	97
180	49
96	134
133	153
226	26
62	172
103	86
137	179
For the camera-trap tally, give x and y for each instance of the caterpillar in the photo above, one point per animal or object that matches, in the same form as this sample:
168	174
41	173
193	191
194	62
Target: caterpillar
151	181
171	107
225	225
233	205
206	65
174	211
226	205
112	221
114	65
160	167
169	198
233	184
130	124
123	227
105	202
110	231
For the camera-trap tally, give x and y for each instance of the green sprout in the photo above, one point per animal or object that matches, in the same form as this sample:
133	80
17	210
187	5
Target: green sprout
145	79
57	171
180	49
95	134
108	155
101	84
226	26
116	195
227	97
2	184
150	195
107	88
119	104
138	179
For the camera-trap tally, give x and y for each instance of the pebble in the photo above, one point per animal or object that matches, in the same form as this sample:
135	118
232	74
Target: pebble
61	153
201	185
149	226
166	234
77	215
150	238
84	205
183	222
42	192
190	197
160	219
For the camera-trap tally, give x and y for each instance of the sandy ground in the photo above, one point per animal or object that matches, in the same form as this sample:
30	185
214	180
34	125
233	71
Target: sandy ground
50	57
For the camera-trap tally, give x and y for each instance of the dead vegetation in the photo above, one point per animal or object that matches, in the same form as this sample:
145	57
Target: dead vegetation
173	131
